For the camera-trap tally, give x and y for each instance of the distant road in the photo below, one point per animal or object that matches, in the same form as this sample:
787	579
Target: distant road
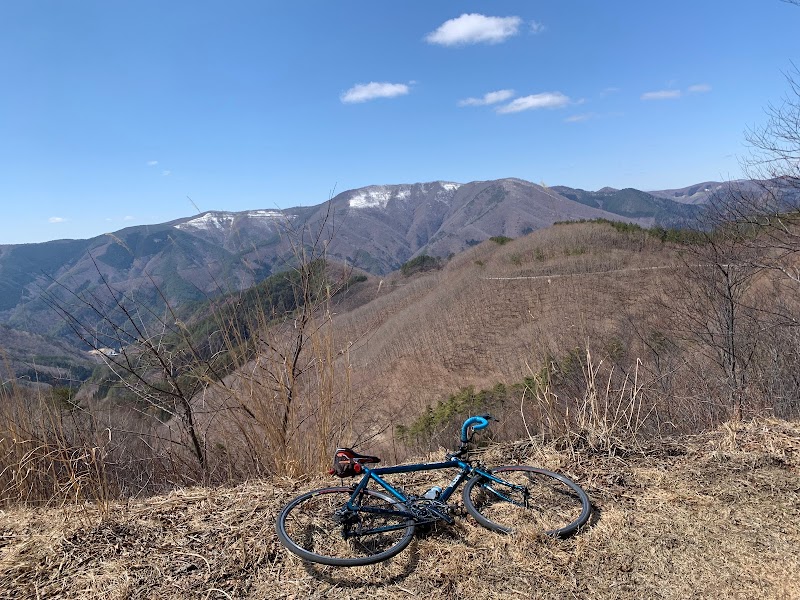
554	276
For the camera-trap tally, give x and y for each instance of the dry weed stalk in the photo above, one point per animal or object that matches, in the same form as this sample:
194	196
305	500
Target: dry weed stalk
553	414
44	459
608	418
295	411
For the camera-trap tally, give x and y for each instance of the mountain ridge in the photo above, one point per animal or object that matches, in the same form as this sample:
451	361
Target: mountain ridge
375	228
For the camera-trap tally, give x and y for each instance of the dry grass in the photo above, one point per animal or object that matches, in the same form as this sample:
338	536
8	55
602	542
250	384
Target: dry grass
500	314
716	515
47	454
424	338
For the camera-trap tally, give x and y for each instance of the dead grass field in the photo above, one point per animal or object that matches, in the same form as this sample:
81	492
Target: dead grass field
495	313
711	516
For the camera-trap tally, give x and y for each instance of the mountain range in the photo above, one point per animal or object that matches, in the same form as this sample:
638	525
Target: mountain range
376	229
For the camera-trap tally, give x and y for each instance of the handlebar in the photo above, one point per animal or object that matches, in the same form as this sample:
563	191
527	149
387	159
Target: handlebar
476	423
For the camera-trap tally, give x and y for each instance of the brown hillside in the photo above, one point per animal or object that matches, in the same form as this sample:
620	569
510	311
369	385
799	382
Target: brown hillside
496	313
716	515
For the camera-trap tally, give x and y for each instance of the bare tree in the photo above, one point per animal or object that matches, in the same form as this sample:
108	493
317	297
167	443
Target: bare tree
178	380
714	309
148	351
752	262
769	200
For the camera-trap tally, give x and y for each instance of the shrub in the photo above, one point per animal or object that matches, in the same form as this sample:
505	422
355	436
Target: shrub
356	279
501	239
420	264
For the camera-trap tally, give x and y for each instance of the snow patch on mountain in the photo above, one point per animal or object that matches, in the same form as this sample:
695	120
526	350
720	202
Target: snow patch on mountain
208	221
267	214
372	197
379	196
223	220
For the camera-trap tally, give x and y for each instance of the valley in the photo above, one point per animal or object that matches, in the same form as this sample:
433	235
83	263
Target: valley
373	230
551	330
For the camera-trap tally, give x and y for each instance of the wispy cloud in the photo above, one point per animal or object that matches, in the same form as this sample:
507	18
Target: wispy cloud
699	88
57	220
579	118
537	28
474	28
535	102
152	163
593	116
661	95
675	94
166	173
487	99
363	92
128	218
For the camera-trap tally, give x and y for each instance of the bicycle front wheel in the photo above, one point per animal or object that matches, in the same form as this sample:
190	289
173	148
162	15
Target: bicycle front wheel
318	527
527	496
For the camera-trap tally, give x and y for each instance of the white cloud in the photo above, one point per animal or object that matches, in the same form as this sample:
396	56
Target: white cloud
152	163
57	220
700	88
579	118
363	92
537	28
166	173
661	95
474	29
490	98
535	102
128	218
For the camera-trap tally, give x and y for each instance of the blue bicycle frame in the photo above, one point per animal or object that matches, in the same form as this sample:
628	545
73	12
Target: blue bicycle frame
466	471
346	526
375	475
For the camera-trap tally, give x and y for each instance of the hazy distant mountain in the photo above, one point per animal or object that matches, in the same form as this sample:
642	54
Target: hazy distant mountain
376	228
187	259
698	193
647	207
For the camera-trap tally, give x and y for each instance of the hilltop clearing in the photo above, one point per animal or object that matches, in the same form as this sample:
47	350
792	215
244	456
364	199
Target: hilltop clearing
716	515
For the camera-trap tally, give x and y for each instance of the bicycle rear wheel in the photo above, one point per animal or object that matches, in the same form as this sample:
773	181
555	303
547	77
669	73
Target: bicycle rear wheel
527	496
317	527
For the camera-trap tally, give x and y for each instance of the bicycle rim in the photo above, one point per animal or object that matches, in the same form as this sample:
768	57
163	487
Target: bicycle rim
547	502
310	527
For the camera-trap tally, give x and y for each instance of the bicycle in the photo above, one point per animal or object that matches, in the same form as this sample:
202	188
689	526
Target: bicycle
357	525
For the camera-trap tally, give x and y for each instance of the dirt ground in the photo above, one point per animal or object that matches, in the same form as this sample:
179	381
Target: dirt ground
713	516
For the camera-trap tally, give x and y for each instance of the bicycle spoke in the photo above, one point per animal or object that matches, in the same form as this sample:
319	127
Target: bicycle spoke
536	499
316	527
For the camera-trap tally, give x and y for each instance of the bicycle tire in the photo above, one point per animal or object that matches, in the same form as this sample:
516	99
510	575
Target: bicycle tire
309	528
555	504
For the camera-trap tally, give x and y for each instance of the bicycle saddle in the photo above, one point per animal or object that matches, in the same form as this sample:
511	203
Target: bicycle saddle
353	455
347	462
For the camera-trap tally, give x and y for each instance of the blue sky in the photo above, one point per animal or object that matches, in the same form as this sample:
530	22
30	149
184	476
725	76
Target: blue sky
117	113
